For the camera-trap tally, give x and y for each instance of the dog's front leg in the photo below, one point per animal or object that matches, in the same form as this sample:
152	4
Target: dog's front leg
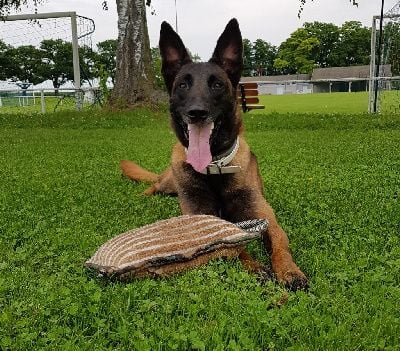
276	241
246	204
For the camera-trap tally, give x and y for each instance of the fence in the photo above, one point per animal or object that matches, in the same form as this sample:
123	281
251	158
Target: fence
46	100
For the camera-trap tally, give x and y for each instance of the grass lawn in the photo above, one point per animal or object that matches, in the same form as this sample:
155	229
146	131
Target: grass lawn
11	105
348	103
333	179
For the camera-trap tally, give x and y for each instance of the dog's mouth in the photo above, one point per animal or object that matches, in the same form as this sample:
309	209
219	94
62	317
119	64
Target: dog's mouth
199	150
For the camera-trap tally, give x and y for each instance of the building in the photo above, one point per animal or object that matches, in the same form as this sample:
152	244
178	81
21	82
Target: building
322	80
342	79
283	84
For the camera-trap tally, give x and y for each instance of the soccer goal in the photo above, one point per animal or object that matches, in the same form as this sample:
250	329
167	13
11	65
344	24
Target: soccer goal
32	29
384	84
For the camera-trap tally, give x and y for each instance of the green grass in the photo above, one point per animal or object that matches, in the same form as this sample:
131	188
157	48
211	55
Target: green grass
345	103
390	101
348	103
10	105
333	179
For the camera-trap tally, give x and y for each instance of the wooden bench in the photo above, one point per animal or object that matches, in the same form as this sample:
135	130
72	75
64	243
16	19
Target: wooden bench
247	95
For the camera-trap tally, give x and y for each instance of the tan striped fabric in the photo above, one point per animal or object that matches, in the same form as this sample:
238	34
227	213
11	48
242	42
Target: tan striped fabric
169	246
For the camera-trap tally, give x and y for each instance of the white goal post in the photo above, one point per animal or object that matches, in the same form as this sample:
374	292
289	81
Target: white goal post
376	75
74	32
67	26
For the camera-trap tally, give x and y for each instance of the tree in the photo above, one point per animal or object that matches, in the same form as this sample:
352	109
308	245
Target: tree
25	61
134	80
264	55
247	58
106	56
5	60
296	54
355	44
156	58
6	6
57	61
328	35
88	63
324	45
391	46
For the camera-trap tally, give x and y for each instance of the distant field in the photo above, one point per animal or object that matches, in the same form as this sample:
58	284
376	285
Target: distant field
315	103
333	180
29	105
349	103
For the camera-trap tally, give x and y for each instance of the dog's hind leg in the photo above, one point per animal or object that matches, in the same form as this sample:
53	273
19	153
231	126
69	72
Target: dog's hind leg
163	183
135	172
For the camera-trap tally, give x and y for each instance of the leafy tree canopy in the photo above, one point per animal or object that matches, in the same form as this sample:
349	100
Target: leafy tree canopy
24	63
319	44
6	6
247	57
106	57
296	54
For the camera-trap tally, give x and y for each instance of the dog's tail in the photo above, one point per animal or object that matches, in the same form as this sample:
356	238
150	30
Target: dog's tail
137	173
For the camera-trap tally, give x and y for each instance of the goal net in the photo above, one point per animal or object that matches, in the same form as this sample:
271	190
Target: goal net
26	32
384	92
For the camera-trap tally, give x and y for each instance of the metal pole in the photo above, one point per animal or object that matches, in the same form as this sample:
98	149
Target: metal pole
378	63
176	18
372	67
38	16
75	59
42	101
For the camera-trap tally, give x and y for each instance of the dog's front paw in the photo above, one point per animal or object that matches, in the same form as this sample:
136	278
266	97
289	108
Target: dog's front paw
265	274
293	279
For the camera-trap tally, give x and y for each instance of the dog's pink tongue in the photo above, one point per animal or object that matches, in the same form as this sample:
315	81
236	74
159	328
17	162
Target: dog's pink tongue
199	153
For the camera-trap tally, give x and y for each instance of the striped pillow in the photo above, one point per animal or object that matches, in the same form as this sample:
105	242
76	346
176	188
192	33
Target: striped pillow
172	245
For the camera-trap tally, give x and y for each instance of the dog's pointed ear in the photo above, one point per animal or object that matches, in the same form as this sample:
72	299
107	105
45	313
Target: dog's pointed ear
229	52
173	53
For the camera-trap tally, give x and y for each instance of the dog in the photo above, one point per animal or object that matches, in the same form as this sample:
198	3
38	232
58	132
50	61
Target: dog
212	168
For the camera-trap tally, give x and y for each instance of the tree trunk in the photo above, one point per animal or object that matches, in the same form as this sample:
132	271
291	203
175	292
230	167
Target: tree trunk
134	80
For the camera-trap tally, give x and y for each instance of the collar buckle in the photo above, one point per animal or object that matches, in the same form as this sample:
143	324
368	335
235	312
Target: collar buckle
212	169
220	164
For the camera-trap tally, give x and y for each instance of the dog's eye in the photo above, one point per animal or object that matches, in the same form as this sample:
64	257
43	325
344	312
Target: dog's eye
183	85
217	85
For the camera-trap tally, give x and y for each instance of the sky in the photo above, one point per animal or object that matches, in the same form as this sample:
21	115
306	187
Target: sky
200	22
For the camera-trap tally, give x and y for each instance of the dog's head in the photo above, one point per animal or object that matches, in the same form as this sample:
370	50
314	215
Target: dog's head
203	95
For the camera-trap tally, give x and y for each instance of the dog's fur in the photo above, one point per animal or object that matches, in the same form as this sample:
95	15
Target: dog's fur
202	93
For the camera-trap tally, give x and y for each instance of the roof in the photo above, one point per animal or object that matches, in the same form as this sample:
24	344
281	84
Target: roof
280	78
324	73
347	72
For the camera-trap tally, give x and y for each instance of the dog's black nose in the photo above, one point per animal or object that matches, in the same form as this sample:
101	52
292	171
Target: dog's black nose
198	114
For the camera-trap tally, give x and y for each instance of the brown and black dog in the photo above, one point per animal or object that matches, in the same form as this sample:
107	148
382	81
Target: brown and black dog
213	170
